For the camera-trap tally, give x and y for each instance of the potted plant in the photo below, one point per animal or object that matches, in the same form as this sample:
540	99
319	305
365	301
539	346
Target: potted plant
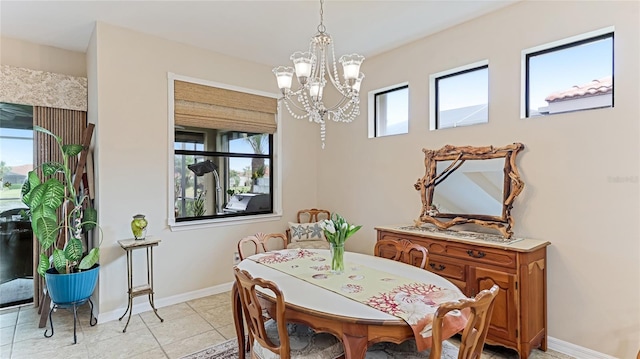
337	230
70	274
259	173
198	207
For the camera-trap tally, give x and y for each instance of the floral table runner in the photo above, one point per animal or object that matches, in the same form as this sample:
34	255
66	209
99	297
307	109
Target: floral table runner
415	302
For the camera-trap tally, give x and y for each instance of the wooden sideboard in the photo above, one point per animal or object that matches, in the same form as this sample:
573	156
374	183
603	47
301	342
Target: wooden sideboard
519	318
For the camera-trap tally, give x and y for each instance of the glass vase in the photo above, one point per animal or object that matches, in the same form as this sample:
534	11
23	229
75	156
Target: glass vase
337	258
139	226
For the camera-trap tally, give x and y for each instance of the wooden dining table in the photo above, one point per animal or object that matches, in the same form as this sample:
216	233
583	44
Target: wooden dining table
357	324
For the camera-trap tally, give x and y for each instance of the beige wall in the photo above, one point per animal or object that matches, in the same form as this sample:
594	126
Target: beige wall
133	156
569	198
25	54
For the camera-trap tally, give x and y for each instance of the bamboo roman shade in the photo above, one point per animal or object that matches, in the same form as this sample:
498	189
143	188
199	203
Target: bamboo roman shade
216	108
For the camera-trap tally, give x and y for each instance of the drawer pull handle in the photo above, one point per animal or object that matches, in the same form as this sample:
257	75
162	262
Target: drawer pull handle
439	267
479	255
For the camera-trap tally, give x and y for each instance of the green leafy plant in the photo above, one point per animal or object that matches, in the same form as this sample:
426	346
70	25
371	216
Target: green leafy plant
259	173
198	204
337	230
44	197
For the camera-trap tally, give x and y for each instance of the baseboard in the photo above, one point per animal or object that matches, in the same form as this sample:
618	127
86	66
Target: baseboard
575	351
164	302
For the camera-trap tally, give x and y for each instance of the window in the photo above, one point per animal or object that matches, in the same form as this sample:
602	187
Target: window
460	97
16	149
570	75
390	109
221	173
223	154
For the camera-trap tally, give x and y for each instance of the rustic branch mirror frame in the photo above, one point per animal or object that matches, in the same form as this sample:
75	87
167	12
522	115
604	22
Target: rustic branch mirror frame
513	185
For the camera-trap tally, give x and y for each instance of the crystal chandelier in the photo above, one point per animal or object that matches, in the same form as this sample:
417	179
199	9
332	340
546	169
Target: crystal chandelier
312	69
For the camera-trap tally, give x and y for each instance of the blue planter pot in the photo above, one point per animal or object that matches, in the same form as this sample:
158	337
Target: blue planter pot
71	288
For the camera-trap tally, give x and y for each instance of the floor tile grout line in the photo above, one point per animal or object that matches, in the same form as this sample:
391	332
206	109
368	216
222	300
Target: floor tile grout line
146	326
15	330
199	314
196	312
214	328
203	318
153	335
13	335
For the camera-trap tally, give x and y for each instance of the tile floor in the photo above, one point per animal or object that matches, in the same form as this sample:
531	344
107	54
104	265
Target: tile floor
188	327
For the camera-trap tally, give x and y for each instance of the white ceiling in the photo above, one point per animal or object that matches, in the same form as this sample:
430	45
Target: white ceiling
265	32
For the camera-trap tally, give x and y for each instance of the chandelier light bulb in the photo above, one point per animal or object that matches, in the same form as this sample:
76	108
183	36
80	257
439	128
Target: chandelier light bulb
284	76
316	86
303	62
351	66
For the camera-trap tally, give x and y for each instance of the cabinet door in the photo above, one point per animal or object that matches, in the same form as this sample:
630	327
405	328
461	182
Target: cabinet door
504	321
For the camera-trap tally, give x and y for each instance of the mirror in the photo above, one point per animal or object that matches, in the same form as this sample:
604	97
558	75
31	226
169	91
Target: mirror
468	184
474	188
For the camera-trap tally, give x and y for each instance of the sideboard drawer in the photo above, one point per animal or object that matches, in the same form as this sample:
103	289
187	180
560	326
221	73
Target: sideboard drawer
483	255
447	269
393	236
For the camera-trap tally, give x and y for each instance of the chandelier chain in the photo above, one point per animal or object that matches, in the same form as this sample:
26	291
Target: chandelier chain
321	27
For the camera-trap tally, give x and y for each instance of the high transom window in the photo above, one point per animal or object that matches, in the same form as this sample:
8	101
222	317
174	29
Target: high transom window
459	96
569	75
389	111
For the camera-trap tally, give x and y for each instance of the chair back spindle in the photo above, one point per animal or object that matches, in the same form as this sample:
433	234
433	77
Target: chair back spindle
402	251
312	215
261	242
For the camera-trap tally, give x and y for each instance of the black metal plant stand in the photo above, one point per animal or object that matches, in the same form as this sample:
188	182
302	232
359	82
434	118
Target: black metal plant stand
74	306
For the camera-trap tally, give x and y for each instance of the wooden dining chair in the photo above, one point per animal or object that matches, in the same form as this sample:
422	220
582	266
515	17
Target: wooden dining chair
312	215
274	336
261	242
403	251
304	233
473	334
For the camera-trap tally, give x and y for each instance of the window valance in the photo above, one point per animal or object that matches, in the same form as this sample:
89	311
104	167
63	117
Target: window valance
41	88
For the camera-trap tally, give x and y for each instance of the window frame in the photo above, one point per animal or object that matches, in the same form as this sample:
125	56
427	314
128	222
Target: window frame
433	90
559	45
372	108
29	135
275	178
223	174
